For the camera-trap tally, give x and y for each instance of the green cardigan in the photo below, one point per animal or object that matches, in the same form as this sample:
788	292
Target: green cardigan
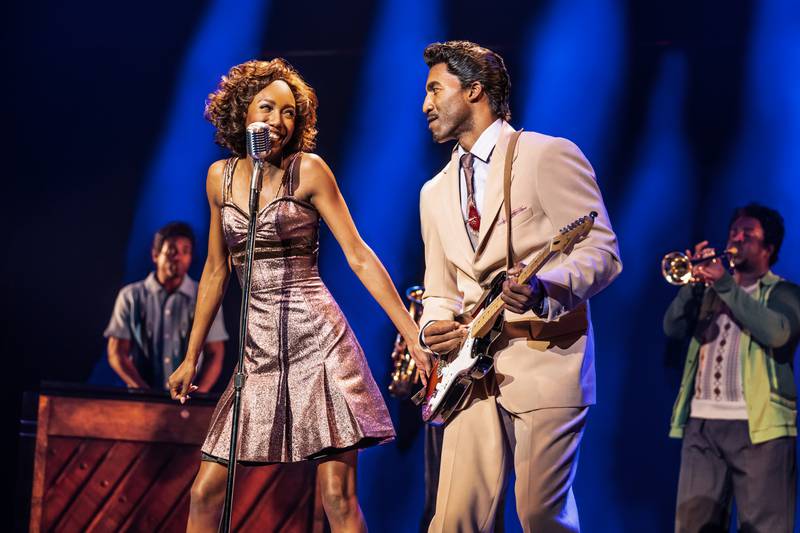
770	323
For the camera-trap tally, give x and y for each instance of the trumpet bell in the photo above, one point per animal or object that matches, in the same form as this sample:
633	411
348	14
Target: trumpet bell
676	268
414	294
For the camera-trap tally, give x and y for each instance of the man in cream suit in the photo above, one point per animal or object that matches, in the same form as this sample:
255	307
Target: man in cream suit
530	412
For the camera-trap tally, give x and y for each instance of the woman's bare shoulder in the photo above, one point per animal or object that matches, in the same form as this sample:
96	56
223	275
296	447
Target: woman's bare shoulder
214	181
314	169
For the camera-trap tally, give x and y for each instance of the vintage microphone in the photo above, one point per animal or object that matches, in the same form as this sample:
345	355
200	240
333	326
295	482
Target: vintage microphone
258	146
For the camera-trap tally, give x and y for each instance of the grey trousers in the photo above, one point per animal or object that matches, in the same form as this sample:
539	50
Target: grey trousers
719	464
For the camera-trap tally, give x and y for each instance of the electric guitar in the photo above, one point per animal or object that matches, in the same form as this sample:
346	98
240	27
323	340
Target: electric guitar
451	377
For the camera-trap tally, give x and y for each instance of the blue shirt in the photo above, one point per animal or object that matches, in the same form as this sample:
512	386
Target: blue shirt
158	325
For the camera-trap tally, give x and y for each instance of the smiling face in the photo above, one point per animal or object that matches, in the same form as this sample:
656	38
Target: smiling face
274	105
446	105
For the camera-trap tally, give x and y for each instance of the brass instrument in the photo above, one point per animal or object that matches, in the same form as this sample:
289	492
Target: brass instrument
676	267
404	369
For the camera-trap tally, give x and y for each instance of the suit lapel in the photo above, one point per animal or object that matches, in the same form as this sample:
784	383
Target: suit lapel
452	207
493	197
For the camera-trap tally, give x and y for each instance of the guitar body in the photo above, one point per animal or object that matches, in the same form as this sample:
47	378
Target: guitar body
452	377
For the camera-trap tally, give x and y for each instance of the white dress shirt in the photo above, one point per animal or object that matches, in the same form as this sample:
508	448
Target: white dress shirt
482	150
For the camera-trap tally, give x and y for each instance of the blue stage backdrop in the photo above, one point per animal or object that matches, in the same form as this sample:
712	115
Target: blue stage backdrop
685	110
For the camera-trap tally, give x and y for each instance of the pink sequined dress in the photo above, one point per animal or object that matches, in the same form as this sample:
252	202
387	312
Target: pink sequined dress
308	391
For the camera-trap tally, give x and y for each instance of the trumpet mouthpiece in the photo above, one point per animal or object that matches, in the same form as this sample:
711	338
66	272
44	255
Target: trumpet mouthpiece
733	250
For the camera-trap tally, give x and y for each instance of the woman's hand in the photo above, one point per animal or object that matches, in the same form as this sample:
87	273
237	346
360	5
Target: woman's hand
421	358
180	382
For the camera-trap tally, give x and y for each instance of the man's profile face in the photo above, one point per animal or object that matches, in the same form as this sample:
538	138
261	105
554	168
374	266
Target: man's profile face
445	104
747	235
174	258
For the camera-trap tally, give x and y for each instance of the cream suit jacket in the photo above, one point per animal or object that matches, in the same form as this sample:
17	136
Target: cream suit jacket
552	185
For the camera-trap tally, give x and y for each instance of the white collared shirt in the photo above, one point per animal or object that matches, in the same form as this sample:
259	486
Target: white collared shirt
482	150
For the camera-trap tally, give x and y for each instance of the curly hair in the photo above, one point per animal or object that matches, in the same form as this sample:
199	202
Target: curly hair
226	108
771	222
470	62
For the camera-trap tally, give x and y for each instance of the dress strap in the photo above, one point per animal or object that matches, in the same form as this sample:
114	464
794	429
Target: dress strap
292	174
227	179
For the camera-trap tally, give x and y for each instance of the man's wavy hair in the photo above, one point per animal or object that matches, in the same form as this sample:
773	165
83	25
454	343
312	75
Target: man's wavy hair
226	108
470	62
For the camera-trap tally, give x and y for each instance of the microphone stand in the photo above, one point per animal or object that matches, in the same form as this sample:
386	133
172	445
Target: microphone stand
238	379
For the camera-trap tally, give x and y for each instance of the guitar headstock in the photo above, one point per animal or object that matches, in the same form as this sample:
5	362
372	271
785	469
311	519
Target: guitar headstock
569	235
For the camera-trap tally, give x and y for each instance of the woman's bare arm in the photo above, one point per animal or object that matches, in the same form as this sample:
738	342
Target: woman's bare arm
211	289
320	185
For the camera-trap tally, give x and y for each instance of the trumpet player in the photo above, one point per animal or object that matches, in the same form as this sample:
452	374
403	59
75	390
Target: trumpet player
736	406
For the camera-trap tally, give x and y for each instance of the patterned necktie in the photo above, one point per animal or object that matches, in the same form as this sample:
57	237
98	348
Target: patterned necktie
473	217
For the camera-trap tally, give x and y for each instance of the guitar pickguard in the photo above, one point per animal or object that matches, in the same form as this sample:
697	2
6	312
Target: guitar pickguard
453	377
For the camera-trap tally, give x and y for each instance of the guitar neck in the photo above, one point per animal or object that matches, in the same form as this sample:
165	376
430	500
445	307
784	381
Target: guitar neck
534	266
485	320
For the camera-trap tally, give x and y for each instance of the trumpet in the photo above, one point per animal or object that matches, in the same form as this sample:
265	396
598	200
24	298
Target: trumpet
676	267
404	369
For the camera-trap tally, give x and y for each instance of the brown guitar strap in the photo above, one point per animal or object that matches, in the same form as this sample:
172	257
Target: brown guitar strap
466	317
512	143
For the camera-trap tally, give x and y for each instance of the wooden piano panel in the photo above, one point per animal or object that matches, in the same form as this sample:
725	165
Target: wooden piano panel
128	465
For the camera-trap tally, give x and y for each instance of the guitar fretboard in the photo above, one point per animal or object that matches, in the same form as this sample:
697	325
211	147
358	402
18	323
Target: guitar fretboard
485	320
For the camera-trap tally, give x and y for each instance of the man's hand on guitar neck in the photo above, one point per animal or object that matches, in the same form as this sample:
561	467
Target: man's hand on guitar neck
520	298
443	336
